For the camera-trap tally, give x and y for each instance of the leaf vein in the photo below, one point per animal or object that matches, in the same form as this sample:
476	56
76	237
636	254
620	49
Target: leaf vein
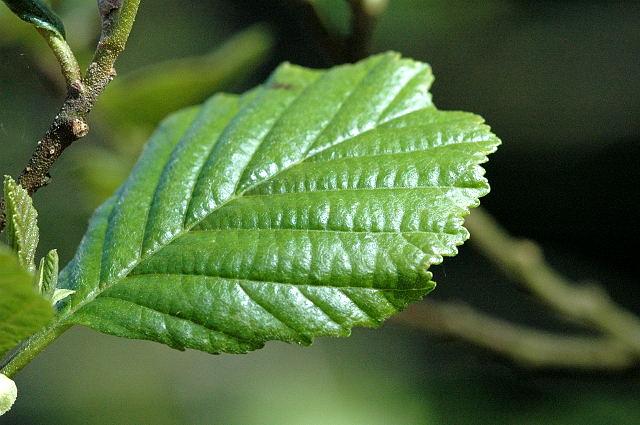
319	307
364	311
380	119
358	189
305	230
276	121
164	313
402	153
247	281
268	310
339	109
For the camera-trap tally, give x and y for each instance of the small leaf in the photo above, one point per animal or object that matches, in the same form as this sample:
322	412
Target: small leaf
22	310
8	393
37	13
61	294
48	276
22	223
48	279
312	204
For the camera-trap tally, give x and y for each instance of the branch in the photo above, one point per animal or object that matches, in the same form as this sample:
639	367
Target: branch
364	15
355	46
589	304
331	45
617	349
524	345
70	123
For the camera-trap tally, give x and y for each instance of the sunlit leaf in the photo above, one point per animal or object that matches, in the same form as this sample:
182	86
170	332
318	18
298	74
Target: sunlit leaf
60	294
312	204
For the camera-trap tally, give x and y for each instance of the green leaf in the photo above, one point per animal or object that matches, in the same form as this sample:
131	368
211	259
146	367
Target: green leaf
37	13
22	223
312	204
22	310
61	294
48	274
48	279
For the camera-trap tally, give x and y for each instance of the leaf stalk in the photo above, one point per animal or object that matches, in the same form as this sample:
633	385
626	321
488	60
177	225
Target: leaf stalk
31	347
64	55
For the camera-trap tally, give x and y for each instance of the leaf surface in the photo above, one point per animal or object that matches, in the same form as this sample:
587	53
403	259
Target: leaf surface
38	13
312	204
22	310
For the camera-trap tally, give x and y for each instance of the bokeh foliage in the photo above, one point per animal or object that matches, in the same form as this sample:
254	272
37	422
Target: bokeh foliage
555	79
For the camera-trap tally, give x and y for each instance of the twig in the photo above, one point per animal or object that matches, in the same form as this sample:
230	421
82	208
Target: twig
617	349
70	123
333	46
589	304
364	14
524	345
356	44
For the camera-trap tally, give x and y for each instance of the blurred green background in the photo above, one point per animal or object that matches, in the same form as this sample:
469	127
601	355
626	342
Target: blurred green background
558	82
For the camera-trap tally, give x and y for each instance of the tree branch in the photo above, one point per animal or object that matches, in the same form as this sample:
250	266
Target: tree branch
356	44
70	123
617	349
327	42
364	15
523	345
523	259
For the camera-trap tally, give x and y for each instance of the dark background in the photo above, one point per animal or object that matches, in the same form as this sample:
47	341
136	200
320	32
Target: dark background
557	81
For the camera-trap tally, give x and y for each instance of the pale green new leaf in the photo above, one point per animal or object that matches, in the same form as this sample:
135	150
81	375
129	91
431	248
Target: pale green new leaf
60	294
48	274
22	310
315	203
22	223
48	279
